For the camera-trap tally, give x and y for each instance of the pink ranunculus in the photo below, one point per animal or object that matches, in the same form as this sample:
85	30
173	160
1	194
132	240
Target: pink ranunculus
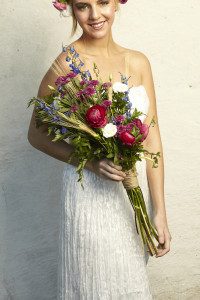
137	122
127	138
96	116
106	103
59	6
144	130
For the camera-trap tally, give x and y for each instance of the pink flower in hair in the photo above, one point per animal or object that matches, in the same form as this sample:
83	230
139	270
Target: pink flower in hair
123	1
59	5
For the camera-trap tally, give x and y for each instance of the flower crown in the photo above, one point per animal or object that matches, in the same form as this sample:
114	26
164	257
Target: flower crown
61	5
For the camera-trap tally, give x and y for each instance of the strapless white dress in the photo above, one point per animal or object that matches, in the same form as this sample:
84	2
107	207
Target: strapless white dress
101	253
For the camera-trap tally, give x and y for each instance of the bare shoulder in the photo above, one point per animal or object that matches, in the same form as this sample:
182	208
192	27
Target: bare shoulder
139	60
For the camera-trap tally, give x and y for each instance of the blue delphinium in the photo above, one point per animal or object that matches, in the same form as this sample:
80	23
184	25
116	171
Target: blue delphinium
55	119
74	68
63	130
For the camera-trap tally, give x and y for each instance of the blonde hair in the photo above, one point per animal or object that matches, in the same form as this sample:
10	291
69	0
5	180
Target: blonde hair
74	20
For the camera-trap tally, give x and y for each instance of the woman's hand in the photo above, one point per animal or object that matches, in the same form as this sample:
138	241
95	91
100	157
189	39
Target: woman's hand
105	168
164	235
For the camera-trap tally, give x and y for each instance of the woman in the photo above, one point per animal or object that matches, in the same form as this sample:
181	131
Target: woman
101	254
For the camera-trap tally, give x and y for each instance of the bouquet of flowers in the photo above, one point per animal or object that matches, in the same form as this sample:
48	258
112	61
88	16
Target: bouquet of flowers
96	118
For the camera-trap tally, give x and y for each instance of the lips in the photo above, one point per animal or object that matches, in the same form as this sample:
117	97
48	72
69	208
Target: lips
97	25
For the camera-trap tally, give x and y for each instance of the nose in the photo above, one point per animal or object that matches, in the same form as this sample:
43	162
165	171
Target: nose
94	12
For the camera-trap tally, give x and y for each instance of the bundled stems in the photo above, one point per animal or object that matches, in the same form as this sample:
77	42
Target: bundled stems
143	225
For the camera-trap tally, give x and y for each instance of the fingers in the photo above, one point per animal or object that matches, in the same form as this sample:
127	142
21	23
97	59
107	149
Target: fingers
109	169
111	176
114	166
164	244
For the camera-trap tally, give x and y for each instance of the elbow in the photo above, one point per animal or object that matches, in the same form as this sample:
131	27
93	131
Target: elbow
32	138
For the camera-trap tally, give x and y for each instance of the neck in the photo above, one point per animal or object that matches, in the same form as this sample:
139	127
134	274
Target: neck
98	47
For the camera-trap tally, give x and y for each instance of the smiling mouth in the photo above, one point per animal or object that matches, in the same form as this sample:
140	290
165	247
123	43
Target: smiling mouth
97	25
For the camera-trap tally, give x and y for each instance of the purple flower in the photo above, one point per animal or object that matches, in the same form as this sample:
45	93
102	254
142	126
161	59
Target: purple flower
123	1
106	103
82	82
55	119
106	85
63	130
119	119
79	93
74	108
71	75
61	80
89	90
75	69
121	128
93	82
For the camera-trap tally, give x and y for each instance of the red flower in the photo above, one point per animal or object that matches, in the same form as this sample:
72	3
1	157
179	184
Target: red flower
127	138
96	116
144	130
137	122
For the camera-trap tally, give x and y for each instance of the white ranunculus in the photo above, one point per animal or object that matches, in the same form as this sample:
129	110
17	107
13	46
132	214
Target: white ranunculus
109	130
120	87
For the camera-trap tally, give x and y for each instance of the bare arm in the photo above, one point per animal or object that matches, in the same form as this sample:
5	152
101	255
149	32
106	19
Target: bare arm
153	142
155	176
61	150
38	138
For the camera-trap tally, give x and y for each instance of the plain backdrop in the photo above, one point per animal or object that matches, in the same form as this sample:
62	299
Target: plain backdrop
32	32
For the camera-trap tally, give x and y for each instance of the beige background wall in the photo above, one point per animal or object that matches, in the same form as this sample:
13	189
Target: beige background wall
30	181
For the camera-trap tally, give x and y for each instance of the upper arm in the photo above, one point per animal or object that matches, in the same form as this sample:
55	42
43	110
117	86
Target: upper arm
148	83
49	79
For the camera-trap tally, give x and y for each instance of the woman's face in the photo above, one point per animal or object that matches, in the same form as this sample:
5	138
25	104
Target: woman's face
89	12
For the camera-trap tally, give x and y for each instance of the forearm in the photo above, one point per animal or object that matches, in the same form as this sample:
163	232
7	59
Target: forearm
60	150
155	177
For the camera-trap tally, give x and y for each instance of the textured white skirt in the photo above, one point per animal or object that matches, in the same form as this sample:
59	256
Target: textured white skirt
101	254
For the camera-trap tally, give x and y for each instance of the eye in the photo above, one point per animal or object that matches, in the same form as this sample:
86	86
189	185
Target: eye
104	3
82	6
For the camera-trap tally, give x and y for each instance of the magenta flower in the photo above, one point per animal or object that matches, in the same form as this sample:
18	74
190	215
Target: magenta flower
137	122
144	130
82	82
121	128
89	91
61	80
59	6
93	82
120	118
106	103
74	108
123	1
71	75
106	85
79	93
